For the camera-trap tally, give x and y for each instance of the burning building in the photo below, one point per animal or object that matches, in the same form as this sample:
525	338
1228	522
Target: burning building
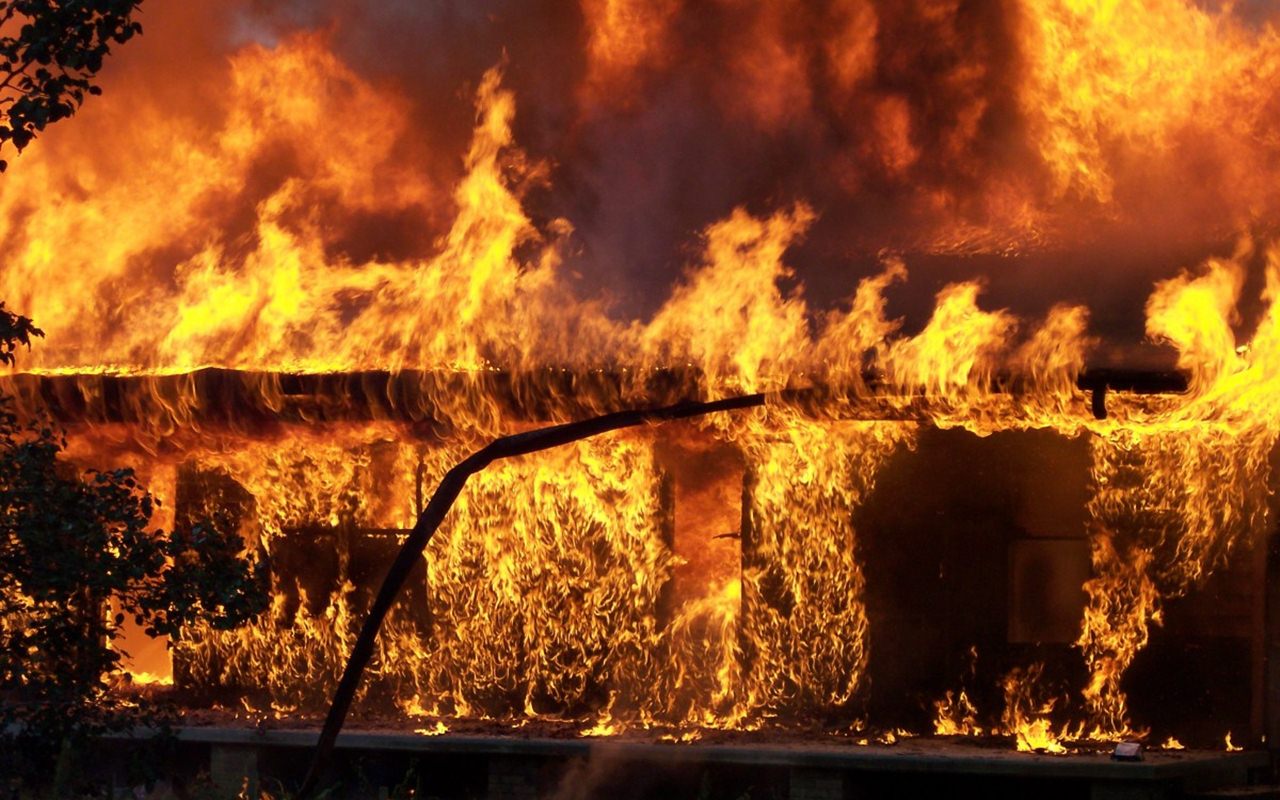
1007	273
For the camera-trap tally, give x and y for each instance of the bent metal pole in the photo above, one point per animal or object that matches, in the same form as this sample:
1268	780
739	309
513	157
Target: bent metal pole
433	515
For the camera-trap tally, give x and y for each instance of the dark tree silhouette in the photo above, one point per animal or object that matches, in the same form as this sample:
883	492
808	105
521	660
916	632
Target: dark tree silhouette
14	331
50	51
72	546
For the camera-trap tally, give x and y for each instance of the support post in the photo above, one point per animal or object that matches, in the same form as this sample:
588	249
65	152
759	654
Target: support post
1270	650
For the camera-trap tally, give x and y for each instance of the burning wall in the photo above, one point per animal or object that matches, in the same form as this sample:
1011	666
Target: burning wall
296	206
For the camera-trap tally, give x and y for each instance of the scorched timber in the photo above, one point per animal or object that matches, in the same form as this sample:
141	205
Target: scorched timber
249	401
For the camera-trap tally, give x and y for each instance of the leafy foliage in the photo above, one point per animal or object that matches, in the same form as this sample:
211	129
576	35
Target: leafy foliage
70	546
14	331
49	55
77	558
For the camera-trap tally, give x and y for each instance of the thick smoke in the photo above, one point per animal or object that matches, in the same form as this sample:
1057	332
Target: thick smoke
951	133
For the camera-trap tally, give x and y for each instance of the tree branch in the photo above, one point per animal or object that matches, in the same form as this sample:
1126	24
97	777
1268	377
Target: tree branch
10	10
6	84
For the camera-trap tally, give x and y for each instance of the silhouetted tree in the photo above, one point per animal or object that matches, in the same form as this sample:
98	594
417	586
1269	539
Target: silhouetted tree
14	331
50	51
77	558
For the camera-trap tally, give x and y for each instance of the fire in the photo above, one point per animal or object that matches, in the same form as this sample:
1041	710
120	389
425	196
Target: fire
1026	717
189	325
605	726
144	678
891	737
955	715
805	622
1123	604
625	35
1161	477
438	729
1110	77
706	655
558	587
741	338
